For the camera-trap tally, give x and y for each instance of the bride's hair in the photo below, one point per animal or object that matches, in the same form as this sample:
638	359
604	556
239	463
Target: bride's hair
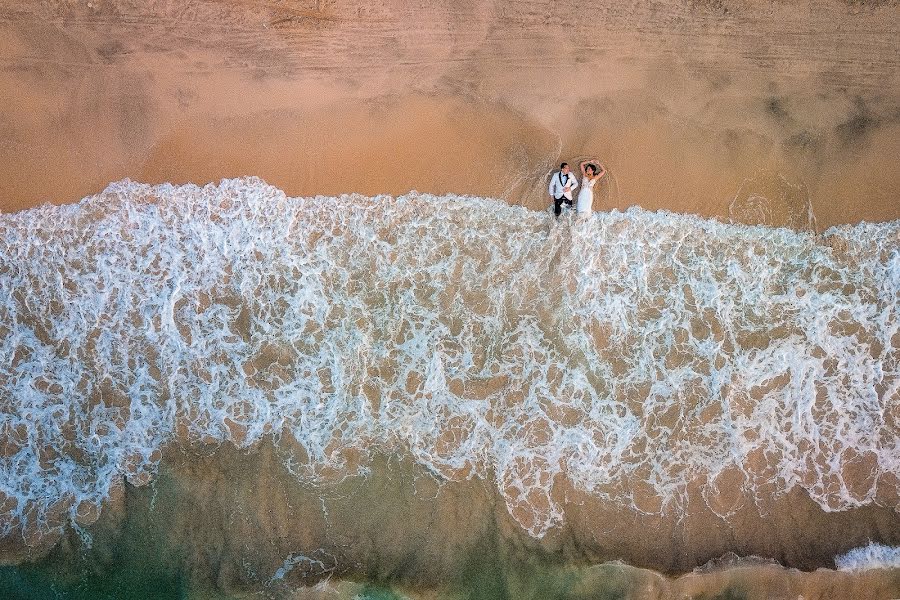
592	168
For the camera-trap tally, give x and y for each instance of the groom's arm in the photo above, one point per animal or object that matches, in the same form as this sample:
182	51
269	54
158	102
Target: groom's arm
552	187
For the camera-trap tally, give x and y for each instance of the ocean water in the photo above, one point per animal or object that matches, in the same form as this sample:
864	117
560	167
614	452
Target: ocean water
645	360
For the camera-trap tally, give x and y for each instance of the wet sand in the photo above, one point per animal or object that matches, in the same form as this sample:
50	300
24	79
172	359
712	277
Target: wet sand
718	108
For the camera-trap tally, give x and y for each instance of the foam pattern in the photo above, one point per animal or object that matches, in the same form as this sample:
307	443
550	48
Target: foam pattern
872	556
634	356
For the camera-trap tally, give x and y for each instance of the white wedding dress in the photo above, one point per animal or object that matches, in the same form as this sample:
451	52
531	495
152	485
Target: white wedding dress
585	196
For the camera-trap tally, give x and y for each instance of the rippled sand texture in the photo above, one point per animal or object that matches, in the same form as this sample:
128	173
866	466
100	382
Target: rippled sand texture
759	111
414	375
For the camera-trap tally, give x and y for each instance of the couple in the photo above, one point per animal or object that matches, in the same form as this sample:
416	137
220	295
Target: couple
563	182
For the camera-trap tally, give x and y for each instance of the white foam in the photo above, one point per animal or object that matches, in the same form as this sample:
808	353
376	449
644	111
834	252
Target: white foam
873	556
631	354
308	565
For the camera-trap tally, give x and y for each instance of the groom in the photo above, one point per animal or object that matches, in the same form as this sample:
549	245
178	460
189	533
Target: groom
561	185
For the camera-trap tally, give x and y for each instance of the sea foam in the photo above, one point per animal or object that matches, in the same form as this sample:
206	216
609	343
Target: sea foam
873	556
632	355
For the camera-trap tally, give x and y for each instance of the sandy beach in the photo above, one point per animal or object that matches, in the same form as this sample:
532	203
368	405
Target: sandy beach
757	112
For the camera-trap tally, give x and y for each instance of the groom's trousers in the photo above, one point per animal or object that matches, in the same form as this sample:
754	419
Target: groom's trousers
557	204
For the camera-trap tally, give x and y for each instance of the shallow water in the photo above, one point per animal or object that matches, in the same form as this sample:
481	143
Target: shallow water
468	365
186	536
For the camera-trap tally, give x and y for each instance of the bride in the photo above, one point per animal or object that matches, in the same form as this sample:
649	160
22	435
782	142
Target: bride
586	195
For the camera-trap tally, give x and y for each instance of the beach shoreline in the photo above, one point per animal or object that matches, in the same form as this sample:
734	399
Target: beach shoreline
281	385
686	106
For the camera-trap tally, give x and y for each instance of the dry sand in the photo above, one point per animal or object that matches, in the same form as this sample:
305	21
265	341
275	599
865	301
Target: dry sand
691	104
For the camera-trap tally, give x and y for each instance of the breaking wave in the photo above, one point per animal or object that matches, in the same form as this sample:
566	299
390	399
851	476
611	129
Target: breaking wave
872	556
633	356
